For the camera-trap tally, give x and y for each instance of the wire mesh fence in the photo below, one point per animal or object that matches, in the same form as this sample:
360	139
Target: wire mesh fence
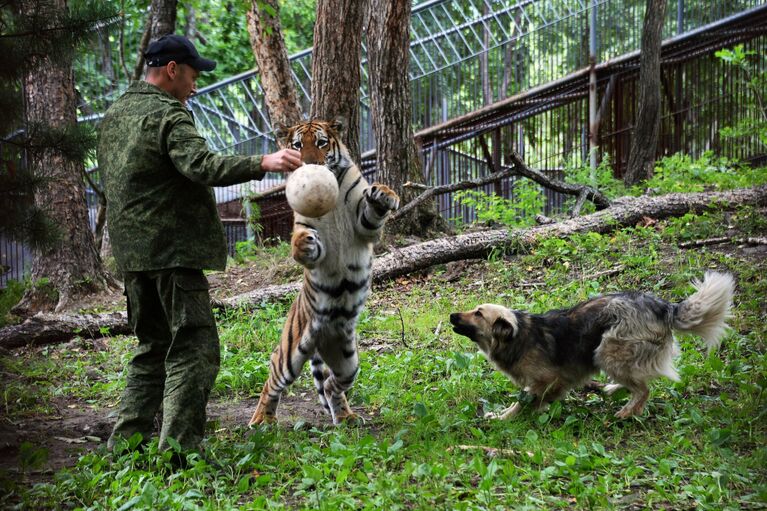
465	57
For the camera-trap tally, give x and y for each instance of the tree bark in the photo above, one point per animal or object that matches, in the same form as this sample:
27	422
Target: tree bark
72	266
644	143
160	21
624	212
190	21
54	328
273	63
388	38
336	65
163	18
107	69
138	69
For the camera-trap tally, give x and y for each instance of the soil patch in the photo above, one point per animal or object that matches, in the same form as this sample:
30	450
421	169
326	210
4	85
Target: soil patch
78	428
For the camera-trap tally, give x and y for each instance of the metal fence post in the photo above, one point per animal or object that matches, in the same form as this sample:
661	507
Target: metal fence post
593	127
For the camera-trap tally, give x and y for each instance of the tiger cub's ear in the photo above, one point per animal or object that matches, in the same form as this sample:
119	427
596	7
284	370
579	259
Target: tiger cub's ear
338	125
281	133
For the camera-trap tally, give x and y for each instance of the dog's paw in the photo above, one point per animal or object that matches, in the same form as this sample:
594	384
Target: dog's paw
508	413
382	198
611	388
629	410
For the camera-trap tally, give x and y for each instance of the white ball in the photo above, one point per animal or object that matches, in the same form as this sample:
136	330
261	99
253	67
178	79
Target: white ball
312	190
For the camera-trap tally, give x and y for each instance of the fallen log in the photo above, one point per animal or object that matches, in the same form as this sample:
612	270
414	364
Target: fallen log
624	212
44	329
761	240
627	211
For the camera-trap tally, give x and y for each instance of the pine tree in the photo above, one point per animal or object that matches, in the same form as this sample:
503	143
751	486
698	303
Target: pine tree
44	148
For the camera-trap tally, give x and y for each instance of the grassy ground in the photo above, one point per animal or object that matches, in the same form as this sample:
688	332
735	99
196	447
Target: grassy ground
423	391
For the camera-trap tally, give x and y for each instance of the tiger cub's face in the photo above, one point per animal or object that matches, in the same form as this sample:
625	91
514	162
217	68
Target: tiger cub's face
319	143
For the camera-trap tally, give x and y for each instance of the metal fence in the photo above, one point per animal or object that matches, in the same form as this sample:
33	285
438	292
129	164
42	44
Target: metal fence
467	57
468	54
15	257
701	95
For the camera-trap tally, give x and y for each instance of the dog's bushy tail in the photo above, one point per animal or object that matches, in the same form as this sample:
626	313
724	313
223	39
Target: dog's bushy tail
705	313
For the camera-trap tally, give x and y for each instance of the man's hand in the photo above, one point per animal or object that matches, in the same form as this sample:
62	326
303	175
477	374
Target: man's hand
284	160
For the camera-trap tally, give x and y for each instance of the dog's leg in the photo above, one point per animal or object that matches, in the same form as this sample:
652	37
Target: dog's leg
635	406
612	388
506	413
594	385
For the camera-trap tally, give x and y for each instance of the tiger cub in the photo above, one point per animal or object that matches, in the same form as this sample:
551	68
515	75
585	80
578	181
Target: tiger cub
336	251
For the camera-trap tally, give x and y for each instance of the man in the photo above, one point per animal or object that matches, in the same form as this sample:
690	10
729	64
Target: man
165	230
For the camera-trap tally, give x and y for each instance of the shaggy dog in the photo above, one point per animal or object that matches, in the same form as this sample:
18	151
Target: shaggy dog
627	335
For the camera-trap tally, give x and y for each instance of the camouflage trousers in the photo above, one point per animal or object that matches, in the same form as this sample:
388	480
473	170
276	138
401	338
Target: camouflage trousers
177	358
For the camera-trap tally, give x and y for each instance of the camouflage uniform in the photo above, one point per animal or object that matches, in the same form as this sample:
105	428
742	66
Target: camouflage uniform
165	229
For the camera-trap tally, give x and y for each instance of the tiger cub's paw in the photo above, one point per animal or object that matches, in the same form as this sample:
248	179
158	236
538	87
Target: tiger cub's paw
382	198
306	247
349	418
261	418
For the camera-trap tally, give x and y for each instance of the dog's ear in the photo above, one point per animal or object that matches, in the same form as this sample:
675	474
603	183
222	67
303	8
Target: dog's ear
502	331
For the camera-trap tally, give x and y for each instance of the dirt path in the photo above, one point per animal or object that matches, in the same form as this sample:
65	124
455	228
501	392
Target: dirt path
78	428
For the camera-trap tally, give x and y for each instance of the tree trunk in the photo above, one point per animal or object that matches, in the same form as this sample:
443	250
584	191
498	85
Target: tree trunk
107	69
273	64
645	140
190	22
138	69
336	65
163	18
72	266
624	212
160	21
388	37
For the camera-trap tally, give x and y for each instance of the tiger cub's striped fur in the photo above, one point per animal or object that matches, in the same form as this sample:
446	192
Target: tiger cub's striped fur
336	251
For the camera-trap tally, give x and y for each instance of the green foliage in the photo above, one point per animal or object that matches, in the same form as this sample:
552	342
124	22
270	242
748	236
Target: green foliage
9	297
254	218
520	211
225	38
682	173
678	173
754	75
600	178
297	21
270	254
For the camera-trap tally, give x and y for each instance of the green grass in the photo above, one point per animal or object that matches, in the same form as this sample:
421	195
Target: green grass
700	444
9	297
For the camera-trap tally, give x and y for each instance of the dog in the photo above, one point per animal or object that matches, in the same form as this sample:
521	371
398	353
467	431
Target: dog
628	335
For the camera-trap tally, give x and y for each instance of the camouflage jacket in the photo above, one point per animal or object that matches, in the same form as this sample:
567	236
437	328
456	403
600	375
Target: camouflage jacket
158	170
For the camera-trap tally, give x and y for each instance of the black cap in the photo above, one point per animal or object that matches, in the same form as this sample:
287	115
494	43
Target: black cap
177	48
